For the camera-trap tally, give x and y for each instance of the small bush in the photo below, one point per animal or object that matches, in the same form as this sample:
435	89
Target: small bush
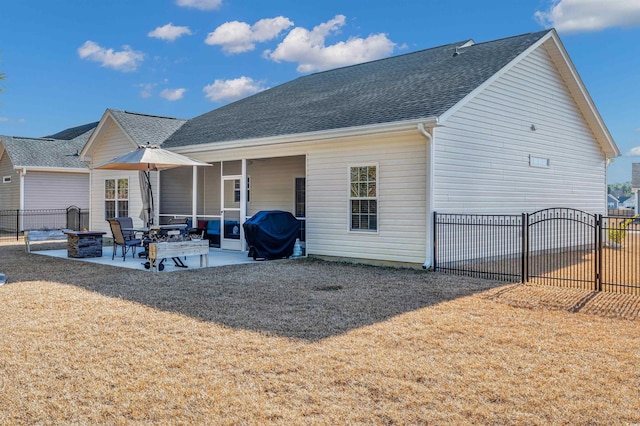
618	234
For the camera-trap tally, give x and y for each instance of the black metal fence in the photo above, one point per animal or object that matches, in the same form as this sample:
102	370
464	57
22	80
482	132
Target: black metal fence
13	223
558	246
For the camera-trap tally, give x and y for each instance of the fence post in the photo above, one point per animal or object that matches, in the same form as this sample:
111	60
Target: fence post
598	252
435	232
17	225
525	247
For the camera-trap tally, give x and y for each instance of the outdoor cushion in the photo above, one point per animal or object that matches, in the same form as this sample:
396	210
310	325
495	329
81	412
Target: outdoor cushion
213	227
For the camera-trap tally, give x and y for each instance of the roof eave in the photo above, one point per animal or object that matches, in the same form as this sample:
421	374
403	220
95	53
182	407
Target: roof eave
310	136
53	169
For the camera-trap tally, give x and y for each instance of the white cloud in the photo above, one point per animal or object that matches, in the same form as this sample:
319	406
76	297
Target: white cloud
200	4
308	49
634	152
238	37
231	90
146	89
169	32
590	15
12	121
124	60
172	94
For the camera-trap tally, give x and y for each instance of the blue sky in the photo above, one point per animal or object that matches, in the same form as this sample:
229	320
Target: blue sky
67	61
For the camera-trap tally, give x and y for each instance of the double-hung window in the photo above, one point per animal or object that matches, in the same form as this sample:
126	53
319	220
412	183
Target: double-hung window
363	197
116	198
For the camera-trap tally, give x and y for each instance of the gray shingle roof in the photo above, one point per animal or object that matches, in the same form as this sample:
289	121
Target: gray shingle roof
49	151
144	129
74	132
42	152
417	85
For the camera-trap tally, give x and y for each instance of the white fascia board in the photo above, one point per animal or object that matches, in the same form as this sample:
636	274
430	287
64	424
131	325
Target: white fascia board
52	169
323	135
582	96
444	117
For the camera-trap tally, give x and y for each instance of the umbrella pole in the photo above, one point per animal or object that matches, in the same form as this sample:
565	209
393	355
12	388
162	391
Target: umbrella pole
150	220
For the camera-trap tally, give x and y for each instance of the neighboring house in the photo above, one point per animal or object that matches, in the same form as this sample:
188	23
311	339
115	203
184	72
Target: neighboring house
44	173
635	183
612	202
365	154
628	202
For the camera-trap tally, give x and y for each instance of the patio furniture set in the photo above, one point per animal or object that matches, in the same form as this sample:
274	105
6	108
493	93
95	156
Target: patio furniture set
159	243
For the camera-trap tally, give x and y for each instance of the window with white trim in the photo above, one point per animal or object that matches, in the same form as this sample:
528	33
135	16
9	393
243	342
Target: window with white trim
6	179
363	197
300	197
116	198
236	190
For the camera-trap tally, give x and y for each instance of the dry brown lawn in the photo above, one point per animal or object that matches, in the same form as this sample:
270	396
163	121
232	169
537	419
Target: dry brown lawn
307	342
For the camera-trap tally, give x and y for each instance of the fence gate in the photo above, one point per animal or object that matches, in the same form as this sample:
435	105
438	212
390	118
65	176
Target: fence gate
564	248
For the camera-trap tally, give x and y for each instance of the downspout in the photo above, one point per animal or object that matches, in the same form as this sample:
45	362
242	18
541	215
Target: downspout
22	173
429	197
21	221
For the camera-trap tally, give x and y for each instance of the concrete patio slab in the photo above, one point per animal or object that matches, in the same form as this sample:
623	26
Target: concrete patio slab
217	257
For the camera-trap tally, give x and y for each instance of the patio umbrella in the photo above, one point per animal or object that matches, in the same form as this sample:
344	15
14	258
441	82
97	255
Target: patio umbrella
146	159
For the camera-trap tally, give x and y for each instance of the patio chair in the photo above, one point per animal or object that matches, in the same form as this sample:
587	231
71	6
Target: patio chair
126	222
120	240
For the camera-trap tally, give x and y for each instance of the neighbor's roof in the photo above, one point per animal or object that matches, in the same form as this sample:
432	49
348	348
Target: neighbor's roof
413	86
44	152
74	132
143	128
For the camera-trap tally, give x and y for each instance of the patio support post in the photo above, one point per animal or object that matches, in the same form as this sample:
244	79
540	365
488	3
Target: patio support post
194	198
243	203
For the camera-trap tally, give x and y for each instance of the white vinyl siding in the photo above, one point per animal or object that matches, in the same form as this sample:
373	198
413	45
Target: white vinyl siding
483	151
113	144
9	192
53	190
401	160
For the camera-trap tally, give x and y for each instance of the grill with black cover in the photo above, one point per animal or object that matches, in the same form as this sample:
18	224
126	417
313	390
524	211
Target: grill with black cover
271	234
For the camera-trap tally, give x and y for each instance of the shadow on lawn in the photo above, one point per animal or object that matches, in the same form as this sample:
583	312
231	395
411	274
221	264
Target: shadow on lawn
304	299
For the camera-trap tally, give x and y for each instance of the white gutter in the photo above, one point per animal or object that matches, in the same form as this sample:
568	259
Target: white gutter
429	197
52	169
308	137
